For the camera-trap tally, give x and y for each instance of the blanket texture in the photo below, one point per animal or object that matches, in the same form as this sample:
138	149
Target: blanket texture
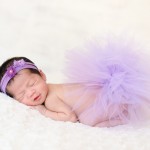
22	128
43	30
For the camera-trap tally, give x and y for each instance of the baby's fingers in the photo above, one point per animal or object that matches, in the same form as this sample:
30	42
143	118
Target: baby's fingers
74	118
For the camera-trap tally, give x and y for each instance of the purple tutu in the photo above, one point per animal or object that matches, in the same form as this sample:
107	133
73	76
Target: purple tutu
117	71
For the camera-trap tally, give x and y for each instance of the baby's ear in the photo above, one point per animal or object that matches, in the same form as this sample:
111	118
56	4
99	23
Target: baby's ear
42	75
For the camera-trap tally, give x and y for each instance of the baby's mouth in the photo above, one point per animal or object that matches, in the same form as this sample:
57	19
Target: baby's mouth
37	98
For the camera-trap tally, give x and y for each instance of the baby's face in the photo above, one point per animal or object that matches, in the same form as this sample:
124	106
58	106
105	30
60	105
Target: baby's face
28	88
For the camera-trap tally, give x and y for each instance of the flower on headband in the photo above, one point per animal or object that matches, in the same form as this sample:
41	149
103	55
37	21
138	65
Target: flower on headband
11	71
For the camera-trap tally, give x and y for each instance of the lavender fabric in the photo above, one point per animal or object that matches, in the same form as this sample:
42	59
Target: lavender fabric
118	73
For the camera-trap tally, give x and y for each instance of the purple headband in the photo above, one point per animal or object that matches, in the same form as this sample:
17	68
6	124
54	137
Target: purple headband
13	70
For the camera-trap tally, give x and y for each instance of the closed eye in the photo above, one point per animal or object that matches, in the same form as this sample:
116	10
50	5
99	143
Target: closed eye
31	83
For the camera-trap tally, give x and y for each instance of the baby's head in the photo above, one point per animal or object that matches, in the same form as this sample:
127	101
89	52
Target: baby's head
21	79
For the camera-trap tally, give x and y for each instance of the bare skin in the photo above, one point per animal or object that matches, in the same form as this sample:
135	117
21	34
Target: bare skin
49	99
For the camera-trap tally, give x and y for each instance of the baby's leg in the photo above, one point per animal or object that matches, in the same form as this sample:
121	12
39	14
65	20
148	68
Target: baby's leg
109	123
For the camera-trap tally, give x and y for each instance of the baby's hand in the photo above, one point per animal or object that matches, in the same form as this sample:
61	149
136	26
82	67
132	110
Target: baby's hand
40	108
67	117
73	117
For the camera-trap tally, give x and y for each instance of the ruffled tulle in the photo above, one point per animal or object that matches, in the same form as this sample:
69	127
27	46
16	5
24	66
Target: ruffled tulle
117	72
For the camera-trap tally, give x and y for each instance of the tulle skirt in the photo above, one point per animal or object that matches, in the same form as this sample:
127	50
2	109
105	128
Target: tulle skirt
117	73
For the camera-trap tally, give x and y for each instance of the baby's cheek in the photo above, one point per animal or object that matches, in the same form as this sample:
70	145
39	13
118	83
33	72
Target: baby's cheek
26	102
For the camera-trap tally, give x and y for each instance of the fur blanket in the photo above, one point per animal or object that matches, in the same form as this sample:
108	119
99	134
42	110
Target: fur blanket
22	128
42	31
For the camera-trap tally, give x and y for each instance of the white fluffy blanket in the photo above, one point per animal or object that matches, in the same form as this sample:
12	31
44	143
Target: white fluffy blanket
22	128
42	30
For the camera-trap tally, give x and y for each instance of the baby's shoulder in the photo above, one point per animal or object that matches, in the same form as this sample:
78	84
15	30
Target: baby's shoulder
51	101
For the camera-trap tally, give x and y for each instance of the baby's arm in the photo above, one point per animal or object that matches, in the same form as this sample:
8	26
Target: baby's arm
64	112
57	110
43	110
55	115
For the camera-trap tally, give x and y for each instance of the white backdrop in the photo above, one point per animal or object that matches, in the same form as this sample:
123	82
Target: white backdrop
43	29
